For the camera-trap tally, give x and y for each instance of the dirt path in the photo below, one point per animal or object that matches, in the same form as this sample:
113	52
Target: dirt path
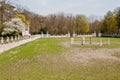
89	56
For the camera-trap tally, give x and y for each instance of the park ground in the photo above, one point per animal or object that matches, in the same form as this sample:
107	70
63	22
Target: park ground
57	59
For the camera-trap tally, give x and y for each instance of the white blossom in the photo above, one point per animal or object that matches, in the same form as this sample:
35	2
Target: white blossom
15	25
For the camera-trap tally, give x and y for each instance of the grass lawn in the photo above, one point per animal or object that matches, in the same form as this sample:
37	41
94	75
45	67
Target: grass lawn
48	59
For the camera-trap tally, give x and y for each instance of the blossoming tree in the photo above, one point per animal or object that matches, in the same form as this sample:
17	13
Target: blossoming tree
15	26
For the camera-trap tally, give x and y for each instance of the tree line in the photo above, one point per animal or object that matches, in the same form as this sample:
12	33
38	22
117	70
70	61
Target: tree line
61	23
80	24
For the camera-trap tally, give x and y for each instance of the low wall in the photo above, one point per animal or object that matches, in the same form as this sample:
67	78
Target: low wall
7	46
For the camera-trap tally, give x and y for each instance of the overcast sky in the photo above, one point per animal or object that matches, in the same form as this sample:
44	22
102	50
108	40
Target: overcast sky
87	7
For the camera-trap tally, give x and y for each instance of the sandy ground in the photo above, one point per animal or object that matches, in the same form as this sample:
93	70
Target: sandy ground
89	55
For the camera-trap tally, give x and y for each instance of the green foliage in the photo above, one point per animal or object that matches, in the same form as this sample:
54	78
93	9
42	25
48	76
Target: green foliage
43	30
109	23
22	17
118	17
81	24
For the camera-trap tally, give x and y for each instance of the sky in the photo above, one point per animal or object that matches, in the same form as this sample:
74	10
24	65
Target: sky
74	7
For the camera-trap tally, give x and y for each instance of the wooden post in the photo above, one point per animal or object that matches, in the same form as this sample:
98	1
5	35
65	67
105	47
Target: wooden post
90	40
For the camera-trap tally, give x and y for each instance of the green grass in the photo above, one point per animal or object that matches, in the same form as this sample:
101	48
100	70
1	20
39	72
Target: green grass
40	46
42	60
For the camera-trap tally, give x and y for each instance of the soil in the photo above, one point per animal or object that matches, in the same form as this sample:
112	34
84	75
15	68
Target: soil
89	55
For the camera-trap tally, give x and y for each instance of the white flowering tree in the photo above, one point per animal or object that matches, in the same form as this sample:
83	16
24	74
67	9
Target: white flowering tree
15	26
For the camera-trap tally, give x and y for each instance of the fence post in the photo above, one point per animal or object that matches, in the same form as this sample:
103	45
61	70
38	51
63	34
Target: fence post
83	40
42	35
12	38
2	40
15	38
90	40
47	34
7	39
68	35
72	40
18	37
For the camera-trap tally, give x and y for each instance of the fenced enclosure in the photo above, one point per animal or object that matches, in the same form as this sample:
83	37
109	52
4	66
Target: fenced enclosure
89	40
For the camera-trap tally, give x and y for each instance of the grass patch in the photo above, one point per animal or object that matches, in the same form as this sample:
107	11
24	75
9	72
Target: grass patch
28	50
